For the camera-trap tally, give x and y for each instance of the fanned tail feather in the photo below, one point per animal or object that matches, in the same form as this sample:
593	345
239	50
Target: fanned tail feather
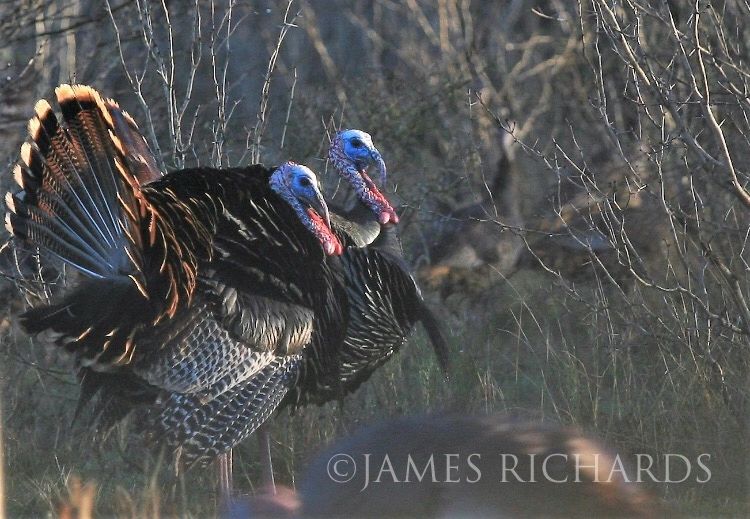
77	201
131	143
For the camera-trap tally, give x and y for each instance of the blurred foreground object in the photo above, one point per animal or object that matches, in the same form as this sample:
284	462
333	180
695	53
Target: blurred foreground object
482	466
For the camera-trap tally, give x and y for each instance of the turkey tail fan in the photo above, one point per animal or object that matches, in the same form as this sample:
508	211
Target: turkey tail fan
77	201
437	339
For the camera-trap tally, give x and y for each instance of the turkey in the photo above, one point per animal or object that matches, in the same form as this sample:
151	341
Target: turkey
384	300
205	292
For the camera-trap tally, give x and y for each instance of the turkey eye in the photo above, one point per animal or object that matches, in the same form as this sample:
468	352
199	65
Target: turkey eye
357	143
305	182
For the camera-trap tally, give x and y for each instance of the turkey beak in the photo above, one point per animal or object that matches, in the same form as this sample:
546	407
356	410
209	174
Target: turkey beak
380	164
318	204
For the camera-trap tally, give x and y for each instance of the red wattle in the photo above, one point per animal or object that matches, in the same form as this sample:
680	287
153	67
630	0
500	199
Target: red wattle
387	213
328	240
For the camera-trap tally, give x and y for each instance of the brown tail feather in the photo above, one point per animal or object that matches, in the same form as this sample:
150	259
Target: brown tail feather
77	200
131	144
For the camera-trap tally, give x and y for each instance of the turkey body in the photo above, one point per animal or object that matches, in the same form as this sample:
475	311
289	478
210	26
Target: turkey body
384	305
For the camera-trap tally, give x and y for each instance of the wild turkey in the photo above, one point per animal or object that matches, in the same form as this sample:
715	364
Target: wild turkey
203	289
385	302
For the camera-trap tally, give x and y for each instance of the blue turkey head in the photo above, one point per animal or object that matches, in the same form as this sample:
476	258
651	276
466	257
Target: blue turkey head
358	148
351	153
300	188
